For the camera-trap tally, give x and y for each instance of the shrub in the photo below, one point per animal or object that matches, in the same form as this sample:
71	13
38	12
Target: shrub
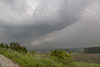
32	52
61	56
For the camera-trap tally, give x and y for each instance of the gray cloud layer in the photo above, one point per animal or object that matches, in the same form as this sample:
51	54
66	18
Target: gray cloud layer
40	24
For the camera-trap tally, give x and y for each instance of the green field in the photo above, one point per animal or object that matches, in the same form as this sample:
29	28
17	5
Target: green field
37	60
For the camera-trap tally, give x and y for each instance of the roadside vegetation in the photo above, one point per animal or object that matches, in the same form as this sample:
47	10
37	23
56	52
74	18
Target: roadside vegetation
57	58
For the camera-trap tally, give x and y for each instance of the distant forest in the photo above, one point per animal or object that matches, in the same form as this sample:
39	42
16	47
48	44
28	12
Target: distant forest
92	50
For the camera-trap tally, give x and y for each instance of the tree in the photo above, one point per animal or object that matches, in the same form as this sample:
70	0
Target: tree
16	46
2	45
6	46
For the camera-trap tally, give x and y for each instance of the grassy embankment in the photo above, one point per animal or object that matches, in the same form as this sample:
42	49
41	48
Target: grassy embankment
26	60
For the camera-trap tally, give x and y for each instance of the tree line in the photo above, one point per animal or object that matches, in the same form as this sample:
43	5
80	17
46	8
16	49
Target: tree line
92	50
14	46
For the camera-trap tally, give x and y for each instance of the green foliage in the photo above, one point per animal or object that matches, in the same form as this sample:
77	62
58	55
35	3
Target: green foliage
32	52
17	47
25	60
7	46
61	56
14	46
92	50
2	45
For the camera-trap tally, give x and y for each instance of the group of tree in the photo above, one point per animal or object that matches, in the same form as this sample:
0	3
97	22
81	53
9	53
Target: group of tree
14	46
92	50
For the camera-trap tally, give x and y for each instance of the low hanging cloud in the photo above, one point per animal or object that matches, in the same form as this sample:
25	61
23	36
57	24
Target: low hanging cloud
32	22
84	33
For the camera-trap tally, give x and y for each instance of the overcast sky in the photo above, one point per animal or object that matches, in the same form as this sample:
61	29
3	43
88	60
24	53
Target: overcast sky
46	24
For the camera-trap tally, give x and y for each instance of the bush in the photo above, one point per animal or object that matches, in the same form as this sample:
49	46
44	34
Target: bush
61	56
32	52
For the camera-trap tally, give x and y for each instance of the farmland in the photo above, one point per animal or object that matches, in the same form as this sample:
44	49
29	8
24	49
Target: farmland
79	57
87	58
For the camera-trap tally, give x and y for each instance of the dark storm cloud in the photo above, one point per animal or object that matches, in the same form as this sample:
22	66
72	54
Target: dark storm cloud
17	5
40	24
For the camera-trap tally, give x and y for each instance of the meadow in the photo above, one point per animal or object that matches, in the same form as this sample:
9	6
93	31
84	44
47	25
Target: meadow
37	60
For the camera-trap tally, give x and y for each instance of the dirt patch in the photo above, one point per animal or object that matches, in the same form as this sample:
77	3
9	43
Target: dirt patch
5	62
